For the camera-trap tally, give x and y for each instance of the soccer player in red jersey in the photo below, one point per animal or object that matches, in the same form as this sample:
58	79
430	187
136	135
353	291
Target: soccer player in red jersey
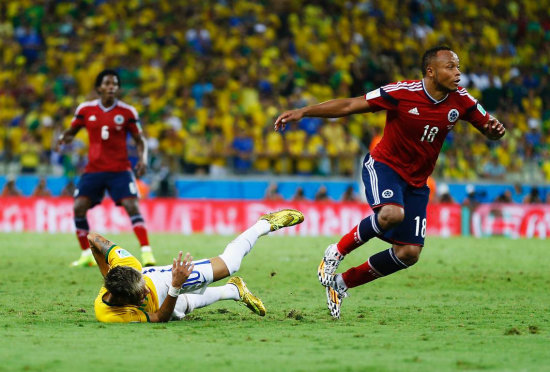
420	113
108	122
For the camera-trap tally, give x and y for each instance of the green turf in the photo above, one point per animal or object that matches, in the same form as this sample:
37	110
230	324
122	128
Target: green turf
470	304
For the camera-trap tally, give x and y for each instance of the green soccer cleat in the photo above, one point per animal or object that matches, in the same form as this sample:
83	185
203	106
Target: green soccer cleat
283	218
85	260
251	301
147	259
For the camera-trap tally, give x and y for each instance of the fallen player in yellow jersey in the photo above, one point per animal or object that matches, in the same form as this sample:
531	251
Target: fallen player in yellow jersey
161	293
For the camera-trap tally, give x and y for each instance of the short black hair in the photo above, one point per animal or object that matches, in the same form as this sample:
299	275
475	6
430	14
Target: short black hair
106	72
429	55
124	283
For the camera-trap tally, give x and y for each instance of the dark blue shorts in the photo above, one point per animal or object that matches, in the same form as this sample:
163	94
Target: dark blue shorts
120	185
384	186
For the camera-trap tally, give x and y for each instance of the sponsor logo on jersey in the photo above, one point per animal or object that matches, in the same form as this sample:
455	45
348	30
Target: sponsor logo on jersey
414	111
119	119
452	115
92	118
122	253
387	193
481	109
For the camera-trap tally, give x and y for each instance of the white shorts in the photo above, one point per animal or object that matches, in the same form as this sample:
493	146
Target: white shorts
161	276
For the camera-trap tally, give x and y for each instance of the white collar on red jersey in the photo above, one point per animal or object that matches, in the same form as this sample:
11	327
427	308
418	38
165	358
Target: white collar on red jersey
107	109
431	98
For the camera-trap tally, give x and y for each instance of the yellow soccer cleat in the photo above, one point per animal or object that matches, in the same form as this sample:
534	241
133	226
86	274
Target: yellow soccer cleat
251	301
283	218
85	260
147	259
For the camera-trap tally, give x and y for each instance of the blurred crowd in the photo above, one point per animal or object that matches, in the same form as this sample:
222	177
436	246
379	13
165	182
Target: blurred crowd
209	78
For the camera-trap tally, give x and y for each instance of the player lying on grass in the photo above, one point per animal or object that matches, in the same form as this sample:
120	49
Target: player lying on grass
419	114
161	293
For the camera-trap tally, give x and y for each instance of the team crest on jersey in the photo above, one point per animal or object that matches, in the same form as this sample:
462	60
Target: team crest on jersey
387	193
122	253
452	115
119	119
92	118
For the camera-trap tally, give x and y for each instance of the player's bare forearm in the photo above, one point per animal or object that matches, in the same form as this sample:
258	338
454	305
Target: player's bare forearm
142	149
100	246
334	108
165	312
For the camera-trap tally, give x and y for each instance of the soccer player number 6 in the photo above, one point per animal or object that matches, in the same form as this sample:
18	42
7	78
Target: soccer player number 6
105	132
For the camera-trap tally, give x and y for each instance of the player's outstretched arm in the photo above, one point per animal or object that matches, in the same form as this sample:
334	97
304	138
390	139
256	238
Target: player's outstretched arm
334	108
493	129
180	272
100	246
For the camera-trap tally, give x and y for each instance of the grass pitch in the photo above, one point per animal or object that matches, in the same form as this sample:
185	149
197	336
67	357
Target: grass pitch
469	304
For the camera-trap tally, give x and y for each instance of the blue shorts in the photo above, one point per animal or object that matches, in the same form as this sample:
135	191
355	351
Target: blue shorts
384	186
120	185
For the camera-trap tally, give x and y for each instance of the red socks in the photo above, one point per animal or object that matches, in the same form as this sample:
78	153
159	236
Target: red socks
141	233
349	242
82	236
360	275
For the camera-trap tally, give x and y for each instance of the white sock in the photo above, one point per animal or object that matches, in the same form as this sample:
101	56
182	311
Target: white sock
340	282
146	248
86	252
262	227
211	295
236	250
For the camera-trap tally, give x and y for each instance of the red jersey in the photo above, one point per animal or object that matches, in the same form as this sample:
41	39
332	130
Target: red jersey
417	124
107	128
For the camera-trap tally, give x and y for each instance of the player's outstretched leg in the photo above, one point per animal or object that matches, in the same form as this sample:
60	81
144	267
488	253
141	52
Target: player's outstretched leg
229	262
367	229
246	297
235	289
235	251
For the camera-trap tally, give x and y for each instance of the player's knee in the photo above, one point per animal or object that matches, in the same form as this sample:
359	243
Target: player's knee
131	206
408	254
390	216
233	263
80	207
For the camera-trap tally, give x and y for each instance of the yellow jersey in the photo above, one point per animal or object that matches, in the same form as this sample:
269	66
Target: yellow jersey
105	312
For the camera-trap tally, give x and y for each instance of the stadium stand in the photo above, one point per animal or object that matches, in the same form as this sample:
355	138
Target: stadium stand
209	77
